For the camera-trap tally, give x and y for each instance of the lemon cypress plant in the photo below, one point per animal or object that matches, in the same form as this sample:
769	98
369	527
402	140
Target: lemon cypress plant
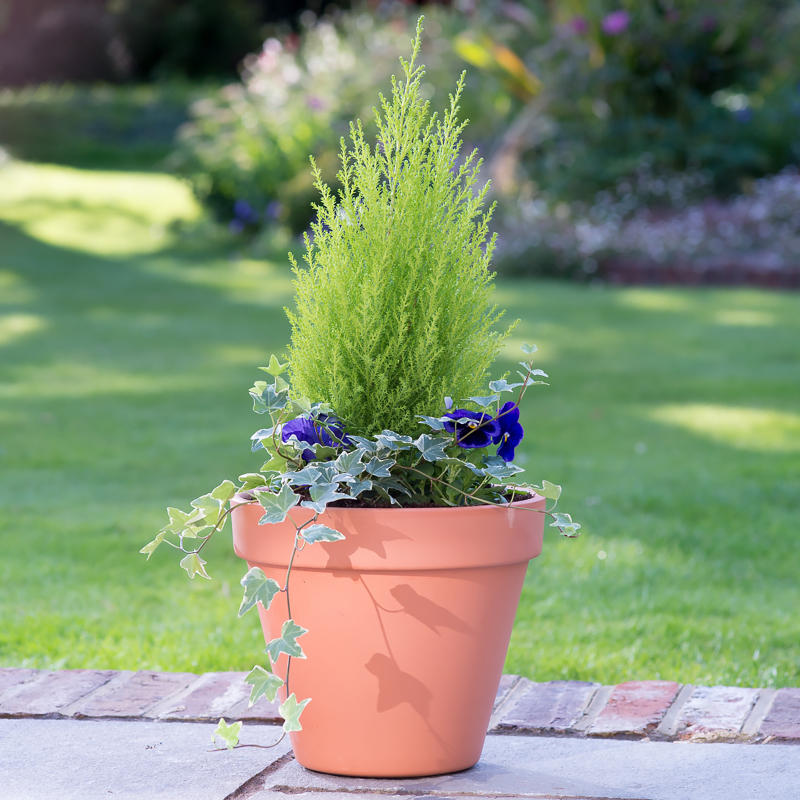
394	307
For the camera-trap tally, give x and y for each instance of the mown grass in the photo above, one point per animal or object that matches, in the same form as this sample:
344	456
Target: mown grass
673	422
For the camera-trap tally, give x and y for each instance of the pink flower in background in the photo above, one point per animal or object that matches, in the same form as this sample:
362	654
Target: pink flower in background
616	22
578	25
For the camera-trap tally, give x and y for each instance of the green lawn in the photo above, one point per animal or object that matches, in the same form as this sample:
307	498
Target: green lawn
672	421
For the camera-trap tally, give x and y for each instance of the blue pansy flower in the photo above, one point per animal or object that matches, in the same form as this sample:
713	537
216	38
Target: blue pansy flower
511	432
306	431
473	429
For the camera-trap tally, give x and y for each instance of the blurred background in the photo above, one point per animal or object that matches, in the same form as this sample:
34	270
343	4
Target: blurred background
643	155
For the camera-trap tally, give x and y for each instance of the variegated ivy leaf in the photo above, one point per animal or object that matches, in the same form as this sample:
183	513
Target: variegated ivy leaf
320	533
329	473
432	447
503	386
276	463
287	642
291	710
258	588
389	440
194	565
530	349
304	477
434	423
391	483
258	439
322	494
252	479
501	472
384	494
150	548
276	506
565	524
551	491
267	399
357	487
228	733
224	491
533	371
275	368
301	405
209	508
483	402
367	445
379	467
265	684
524	376
183	524
350	462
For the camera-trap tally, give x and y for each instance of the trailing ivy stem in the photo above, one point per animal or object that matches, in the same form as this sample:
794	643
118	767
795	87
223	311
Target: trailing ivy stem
475	497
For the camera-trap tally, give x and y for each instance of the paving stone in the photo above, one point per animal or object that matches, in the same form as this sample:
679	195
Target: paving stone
564	767
547	707
50	691
133	697
507	683
262	711
635	708
68	759
209	698
783	719
715	713
10	676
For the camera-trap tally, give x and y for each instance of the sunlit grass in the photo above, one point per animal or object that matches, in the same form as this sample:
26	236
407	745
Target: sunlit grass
671	421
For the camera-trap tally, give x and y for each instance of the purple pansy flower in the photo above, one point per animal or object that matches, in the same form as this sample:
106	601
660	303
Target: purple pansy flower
473	429
306	431
511	432
615	23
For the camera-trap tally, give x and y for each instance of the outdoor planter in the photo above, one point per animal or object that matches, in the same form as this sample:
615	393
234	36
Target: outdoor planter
409	621
387	532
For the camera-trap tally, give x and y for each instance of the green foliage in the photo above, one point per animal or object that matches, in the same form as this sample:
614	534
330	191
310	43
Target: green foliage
394	310
228	733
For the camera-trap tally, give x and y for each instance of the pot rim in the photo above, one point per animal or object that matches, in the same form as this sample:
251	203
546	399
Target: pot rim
533	500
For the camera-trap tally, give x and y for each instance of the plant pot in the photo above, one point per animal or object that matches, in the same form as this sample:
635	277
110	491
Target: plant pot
409	621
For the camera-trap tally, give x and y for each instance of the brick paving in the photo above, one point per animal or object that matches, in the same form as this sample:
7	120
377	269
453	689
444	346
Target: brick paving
654	710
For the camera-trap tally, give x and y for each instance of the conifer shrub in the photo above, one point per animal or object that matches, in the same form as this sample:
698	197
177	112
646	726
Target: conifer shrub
394	304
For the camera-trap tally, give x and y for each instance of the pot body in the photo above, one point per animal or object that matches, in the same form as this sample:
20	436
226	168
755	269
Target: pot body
409	620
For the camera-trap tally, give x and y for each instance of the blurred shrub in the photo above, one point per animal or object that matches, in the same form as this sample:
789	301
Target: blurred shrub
247	148
761	227
695	85
113	127
565	100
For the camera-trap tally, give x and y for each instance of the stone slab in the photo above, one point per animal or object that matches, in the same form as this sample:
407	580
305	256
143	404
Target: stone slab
552	707
635	708
507	683
68	759
782	722
50	691
557	767
10	676
715	713
139	693
208	699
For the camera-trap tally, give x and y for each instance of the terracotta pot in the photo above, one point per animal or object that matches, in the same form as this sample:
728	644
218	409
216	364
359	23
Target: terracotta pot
409	621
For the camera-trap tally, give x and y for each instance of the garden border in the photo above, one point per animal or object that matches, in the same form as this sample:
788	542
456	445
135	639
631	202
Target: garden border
641	710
